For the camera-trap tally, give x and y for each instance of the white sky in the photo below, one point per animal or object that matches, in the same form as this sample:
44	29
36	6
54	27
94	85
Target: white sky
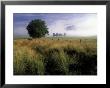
83	26
73	24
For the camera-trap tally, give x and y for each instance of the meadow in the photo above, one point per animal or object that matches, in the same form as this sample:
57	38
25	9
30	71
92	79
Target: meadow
55	56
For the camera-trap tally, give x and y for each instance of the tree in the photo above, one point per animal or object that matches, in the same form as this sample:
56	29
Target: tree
37	28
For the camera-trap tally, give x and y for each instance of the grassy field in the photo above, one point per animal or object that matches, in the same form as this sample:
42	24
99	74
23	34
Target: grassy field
55	56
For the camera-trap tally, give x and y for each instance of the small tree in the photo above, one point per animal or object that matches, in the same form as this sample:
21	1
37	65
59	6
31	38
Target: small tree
37	28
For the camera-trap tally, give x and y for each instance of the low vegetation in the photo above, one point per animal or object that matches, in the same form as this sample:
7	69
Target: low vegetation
55	56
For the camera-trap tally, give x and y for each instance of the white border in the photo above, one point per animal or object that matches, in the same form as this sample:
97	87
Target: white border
101	52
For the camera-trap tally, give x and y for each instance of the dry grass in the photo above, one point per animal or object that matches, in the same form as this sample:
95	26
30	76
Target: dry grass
46	56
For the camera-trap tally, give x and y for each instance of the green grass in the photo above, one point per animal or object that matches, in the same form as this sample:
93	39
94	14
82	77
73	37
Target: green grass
55	56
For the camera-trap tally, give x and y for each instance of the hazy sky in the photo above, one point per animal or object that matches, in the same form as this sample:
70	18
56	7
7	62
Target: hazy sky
73	24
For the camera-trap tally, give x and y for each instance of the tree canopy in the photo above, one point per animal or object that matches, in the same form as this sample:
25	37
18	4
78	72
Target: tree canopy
37	28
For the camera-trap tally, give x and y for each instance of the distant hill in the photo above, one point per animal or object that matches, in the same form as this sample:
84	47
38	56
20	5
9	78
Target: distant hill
81	37
20	36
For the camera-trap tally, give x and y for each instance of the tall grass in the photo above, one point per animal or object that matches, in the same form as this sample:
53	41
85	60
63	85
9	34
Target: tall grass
46	56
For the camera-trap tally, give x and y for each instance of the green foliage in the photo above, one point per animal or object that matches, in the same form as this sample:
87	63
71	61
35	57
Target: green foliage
37	28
